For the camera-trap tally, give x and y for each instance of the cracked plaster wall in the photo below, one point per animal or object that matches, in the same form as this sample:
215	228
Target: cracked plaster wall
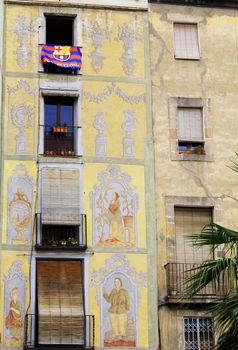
213	77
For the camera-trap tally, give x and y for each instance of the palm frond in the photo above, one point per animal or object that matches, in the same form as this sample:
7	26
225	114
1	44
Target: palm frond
226	317
208	272
215	235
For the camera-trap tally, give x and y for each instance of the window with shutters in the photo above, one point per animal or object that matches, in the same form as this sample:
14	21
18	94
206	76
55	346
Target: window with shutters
189	221
198	333
190	130
60	133
186	41
60	223
60	307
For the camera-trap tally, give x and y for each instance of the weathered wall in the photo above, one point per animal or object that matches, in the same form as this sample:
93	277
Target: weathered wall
115	100
213	78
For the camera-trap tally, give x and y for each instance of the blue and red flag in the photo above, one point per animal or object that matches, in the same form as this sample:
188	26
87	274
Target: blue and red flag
62	56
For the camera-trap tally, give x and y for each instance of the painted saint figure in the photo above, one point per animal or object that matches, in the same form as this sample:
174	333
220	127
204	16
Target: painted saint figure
120	306
115	219
13	320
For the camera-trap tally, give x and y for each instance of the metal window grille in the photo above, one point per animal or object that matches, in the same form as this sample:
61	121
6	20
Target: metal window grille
198	333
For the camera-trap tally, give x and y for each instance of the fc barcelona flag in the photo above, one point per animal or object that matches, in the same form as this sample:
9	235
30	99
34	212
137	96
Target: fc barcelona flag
62	56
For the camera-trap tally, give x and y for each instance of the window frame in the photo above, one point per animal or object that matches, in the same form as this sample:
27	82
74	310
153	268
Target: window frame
181	201
59	91
63	12
184	102
178	57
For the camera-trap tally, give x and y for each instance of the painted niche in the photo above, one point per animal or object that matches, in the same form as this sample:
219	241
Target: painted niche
21	117
117	286
20	199
14	304
114	209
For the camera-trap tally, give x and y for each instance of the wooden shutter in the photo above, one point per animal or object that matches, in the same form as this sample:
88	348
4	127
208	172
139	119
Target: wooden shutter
186	40
60	302
60	196
190	221
190	124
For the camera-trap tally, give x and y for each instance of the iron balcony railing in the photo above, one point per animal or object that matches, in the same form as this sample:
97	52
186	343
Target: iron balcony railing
68	236
60	140
178	273
61	335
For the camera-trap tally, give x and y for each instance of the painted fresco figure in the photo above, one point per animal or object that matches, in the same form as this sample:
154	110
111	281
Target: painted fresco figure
120	306
115	219
13	320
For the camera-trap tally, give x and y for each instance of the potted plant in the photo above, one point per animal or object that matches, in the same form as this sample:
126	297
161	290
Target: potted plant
65	129
199	149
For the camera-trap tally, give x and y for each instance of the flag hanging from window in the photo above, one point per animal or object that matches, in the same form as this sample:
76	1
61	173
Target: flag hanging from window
62	56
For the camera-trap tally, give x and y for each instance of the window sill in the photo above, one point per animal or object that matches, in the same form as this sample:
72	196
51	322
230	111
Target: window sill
187	58
192	157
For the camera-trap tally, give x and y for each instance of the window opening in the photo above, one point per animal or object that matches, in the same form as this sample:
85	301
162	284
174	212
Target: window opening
186	41
59	126
60	302
59	30
198	333
190	130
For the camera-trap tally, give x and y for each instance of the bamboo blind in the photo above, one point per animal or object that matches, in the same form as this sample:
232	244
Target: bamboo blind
60	302
186	40
190	124
190	221
60	196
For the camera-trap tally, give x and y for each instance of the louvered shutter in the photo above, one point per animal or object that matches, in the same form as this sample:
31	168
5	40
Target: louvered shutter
186	40
189	221
60	196
190	124
60	302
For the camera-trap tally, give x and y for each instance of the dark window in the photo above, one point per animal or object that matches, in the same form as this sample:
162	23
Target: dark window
59	30
59	126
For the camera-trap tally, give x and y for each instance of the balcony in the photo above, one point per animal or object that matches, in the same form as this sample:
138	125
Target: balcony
178	273
68	236
59	333
60	140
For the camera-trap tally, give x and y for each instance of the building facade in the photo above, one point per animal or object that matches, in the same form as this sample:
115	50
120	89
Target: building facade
193	52
78	238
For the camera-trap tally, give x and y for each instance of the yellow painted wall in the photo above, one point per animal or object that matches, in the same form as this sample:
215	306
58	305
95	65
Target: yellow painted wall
113	90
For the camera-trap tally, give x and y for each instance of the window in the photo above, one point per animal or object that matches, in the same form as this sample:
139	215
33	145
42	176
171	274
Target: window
59	130
190	130
198	333
58	50
189	221
59	30
60	223
60	305
186	43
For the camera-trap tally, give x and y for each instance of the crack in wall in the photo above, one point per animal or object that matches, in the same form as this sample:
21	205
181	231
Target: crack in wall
198	181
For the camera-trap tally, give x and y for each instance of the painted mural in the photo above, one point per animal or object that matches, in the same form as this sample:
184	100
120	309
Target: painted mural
21	118
129	33
100	139
20	199
23	27
114	209
118	297
98	30
15	287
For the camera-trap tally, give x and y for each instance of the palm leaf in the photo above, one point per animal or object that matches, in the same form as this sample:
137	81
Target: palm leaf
215	235
207	272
